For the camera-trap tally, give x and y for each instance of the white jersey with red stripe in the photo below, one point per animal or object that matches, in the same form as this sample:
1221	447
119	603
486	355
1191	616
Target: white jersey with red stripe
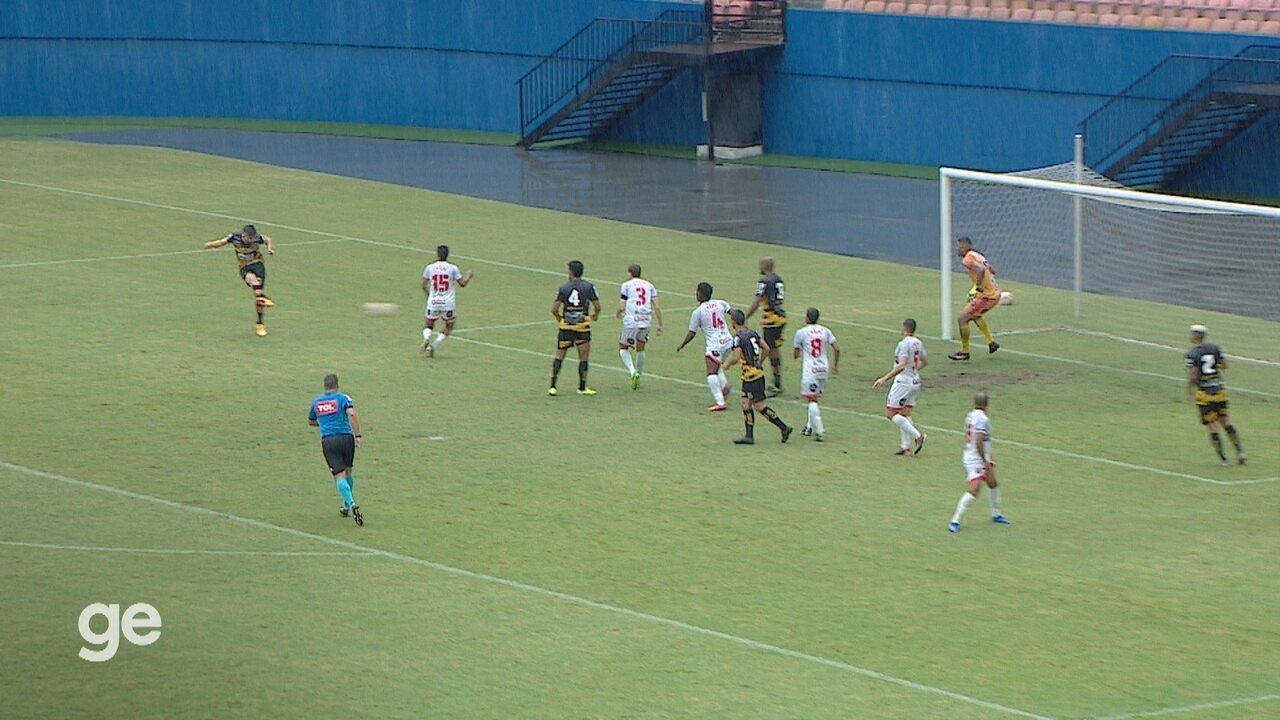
912	350
813	341
638	295
711	317
442	280
977	429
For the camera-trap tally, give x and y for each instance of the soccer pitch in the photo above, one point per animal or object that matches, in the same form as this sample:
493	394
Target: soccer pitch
583	557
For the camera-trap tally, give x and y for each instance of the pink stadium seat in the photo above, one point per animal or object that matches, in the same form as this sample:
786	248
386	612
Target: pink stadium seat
958	10
1189	13
873	6
1223	25
980	12
1087	18
895	7
1246	26
1001	13
1270	27
1021	14
1068	17
1109	19
1176	23
855	5
1084	7
917	8
832	4
1041	4
1045	15
1130	21
1153	21
977	3
937	10
1200	23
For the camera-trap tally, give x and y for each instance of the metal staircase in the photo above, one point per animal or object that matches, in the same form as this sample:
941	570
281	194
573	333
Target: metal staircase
1179	114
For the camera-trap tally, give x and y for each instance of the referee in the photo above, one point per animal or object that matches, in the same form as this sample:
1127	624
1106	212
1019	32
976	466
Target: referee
339	425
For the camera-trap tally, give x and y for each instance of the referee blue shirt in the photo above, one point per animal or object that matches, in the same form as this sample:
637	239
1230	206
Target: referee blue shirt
330	412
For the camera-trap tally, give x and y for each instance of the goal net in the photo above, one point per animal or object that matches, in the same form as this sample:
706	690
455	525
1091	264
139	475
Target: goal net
1080	252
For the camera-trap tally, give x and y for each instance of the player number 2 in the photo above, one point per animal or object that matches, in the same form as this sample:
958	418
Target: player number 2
1207	363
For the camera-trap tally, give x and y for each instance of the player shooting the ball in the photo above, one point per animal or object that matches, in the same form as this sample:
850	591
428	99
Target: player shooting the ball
252	270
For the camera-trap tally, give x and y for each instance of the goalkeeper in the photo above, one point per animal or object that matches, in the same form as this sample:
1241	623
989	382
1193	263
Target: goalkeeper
984	295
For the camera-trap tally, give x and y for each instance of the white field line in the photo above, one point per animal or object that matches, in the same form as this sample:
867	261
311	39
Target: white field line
929	428
1161	346
1191	708
534	589
140	256
543	271
167	551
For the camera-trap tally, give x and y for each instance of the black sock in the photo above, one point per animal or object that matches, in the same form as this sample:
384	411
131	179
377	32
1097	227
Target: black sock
555	370
583	365
777	372
259	317
1216	439
749	419
773	417
1235	438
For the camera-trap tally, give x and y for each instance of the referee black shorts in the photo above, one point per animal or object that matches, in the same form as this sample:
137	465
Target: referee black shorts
339	452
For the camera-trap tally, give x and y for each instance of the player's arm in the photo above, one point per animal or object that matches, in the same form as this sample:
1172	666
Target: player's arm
555	309
271	248
924	361
898	367
835	357
311	417
354	417
657	312
1193	379
622	305
213	244
981	443
466	278
595	309
977	273
693	330
426	285
734	359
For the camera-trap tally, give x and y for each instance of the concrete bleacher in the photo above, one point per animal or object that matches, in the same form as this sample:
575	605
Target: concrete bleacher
1234	16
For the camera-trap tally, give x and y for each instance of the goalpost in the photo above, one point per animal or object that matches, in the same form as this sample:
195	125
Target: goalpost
1084	247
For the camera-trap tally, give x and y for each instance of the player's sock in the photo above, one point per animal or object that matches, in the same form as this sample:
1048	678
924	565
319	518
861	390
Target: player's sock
1235	437
908	430
259	316
777	372
1216	439
626	361
351	483
749	419
640	361
994	497
582	374
717	389
773	417
440	338
555	370
426	335
986	329
344	489
720	376
964	338
815	417
965	501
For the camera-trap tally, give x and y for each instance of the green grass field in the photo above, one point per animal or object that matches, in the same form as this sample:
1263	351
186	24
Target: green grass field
570	557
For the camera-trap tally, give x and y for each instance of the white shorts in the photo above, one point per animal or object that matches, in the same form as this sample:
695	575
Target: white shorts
632	335
435	312
902	395
975	471
719	353
812	385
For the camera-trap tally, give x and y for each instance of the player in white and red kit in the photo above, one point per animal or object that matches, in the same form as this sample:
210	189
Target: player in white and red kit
637	307
711	318
978	465
909	358
440	282
811	343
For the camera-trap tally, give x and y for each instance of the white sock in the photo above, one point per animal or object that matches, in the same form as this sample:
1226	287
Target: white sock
994	497
626	360
815	418
640	361
717	390
426	335
965	501
909	431
723	380
440	338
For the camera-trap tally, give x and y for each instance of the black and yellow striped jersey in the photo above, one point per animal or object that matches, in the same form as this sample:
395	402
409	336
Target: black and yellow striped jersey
1207	363
248	251
748	341
770	290
575	298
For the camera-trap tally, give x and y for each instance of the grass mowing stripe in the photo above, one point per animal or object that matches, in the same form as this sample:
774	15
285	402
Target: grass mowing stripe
105	258
516	585
176	551
1191	708
556	273
931	428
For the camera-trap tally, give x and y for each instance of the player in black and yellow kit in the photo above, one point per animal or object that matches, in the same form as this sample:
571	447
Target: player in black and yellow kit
749	352
248	245
769	294
1205	364
576	306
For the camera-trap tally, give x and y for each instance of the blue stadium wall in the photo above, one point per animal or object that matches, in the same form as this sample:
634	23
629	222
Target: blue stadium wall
926	91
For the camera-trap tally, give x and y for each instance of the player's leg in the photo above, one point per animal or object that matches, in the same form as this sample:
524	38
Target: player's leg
640	348
584	364
564	340
255	278
715	381
428	326
769	413
1225	420
1209	416
748	421
773	337
443	335
981	322
966	499
993	496
963	322
626	341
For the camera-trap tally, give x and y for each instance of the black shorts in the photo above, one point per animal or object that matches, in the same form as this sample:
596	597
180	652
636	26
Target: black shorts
753	390
256	268
569	338
772	336
339	452
1210	411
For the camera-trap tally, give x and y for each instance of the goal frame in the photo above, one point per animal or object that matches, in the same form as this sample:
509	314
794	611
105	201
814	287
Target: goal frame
1079	192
